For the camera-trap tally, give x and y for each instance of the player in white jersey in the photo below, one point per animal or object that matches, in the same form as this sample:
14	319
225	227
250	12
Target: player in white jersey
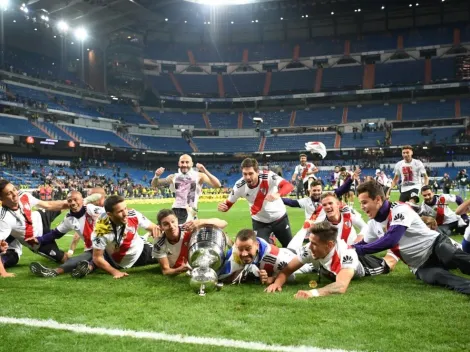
342	217
336	260
263	191
171	248
253	259
19	222
410	171
304	171
116	242
81	219
186	184
437	206
398	227
462	210
312	204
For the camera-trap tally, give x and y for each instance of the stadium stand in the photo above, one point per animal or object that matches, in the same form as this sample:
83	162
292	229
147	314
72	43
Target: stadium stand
19	126
96	136
297	142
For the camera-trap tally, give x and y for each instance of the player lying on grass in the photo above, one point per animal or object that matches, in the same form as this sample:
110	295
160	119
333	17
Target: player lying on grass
20	225
429	254
116	243
335	259
254	259
81	218
171	247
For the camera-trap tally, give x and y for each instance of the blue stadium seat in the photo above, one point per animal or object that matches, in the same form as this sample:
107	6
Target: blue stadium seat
227	145
293	81
369	139
404	72
20	127
170	119
167	144
429	110
223	121
319	116
297	142
355	114
349	77
101	137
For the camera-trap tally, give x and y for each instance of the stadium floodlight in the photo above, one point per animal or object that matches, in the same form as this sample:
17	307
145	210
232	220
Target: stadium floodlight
166	19
383	7
410	5
332	12
417	4
282	18
209	22
256	21
231	22
35	29
81	34
63	26
24	8
222	2
306	16
4	4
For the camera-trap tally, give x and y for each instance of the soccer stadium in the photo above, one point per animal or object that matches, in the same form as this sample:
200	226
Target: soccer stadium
214	175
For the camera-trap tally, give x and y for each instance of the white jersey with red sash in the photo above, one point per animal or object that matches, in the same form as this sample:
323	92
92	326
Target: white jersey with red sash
410	174
302	171
23	223
340	257
415	246
439	209
348	220
83	225
266	212
122	243
312	208
177	253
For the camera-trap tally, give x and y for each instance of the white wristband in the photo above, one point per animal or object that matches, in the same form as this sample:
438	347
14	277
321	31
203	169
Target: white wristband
70	252
315	293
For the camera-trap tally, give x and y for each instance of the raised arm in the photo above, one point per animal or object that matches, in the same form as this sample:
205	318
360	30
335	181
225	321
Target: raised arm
207	177
158	182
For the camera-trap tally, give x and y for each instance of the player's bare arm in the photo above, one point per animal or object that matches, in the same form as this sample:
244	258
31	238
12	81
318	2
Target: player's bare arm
168	271
463	208
340	286
98	259
207	178
294	264
161	182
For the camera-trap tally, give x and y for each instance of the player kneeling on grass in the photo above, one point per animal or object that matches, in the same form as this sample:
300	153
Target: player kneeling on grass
171	248
335	259
116	243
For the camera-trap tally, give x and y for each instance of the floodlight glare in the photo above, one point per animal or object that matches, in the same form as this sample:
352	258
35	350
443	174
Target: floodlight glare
4	4
63	26
81	34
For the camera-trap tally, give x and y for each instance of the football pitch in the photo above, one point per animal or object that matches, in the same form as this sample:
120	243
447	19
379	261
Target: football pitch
149	312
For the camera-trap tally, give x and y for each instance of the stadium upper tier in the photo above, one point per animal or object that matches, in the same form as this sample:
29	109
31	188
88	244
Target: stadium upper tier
213	52
307	80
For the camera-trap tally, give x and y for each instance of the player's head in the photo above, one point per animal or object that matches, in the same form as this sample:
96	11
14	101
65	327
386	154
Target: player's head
246	245
303	159
8	194
250	171
407	153
371	196
75	201
343	171
185	163
330	204
336	168
427	193
102	192
116	208
168	223
316	189
430	222
323	237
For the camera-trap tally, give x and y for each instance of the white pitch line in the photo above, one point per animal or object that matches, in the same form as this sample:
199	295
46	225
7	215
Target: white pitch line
161	336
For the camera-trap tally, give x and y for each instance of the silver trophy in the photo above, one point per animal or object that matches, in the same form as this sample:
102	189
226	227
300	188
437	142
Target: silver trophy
206	256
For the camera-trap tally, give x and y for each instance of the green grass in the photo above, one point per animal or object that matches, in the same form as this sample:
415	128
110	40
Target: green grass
393	312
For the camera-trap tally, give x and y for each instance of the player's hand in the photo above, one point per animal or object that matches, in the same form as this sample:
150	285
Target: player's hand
159	171
273	288
120	275
185	267
156	232
5	275
223	207
263	276
303	295
191	226
201	168
33	241
3	246
272	197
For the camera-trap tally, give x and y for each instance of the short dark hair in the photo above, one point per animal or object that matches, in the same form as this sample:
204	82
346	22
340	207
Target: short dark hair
426	188
325	231
342	169
405	147
111	201
162	214
3	184
245	235
316	183
302	155
250	162
373	188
